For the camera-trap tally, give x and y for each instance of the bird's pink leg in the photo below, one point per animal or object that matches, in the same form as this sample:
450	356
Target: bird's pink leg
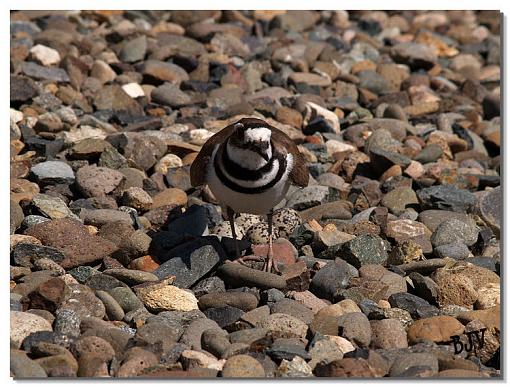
270	262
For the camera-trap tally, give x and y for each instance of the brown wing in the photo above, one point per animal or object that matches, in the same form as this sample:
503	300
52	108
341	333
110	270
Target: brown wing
299	175
198	168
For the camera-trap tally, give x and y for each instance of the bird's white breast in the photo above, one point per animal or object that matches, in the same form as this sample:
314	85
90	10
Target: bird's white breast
259	203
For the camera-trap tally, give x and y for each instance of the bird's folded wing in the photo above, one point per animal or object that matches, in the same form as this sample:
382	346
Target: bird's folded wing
299	174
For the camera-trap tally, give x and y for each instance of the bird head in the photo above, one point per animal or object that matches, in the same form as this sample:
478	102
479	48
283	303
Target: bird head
253	135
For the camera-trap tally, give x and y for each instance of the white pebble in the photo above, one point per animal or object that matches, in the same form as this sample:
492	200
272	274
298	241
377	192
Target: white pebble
199	136
134	90
45	55
334	146
16	115
166	162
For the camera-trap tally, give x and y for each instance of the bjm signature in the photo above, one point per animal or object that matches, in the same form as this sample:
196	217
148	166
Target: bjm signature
475	340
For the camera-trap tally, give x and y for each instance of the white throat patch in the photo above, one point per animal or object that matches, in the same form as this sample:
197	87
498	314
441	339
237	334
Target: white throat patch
257	134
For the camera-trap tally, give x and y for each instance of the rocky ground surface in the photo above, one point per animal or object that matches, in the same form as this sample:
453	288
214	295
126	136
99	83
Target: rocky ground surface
118	267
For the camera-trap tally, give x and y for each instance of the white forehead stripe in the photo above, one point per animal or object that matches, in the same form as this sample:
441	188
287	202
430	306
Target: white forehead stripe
257	134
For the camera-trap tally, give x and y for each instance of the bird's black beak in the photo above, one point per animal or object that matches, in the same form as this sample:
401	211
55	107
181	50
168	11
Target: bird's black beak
264	155
260	148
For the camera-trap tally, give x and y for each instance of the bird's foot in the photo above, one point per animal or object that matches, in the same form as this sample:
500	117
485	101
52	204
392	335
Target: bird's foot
244	260
271	264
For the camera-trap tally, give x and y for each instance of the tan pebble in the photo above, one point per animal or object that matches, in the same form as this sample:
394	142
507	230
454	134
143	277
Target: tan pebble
384	304
414	170
394	170
166	162
92	230
18	238
488	296
315	225
329	227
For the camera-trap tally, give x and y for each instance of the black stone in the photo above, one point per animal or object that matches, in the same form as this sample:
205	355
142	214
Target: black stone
302	235
22	88
425	287
25	254
230	247
318	124
381	160
104	282
193	222
164	241
357	353
416	306
45	336
83	273
286	349
446	197
371	27
371	309
224	316
191	261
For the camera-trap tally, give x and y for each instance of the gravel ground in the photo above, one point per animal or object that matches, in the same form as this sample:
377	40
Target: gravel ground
120	268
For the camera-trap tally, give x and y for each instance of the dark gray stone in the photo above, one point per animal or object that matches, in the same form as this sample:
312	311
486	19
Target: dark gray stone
191	261
491	208
54	74
224	316
365	250
310	197
25	254
455	231
446	197
67	322
429	154
105	282
22	88
416	306
456	250
208	285
53	172
425	287
83	273
286	349
332	278
235	274
154	332
126	298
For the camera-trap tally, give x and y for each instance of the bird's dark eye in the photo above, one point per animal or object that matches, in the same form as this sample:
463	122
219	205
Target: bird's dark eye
239	128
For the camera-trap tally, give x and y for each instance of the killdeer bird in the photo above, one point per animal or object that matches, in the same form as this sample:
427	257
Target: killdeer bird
249	167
